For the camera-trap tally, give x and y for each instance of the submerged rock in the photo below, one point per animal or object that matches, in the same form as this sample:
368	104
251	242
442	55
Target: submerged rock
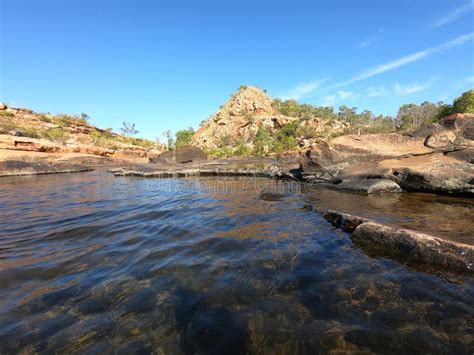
404	244
370	186
345	221
415	247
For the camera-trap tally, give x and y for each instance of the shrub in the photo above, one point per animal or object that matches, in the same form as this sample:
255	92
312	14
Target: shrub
84	117
45	118
65	120
55	134
183	137
7	125
308	132
6	114
242	149
225	140
220	152
263	141
128	129
29	132
464	103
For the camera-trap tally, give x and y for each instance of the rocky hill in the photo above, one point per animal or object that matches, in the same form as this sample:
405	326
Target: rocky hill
250	109
23	130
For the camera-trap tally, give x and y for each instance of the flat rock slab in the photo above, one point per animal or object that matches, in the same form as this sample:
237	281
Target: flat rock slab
370	186
404	244
21	168
205	170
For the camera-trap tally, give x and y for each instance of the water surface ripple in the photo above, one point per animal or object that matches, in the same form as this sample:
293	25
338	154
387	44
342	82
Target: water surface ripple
90	263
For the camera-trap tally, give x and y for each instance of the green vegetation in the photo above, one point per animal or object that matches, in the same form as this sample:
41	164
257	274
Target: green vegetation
263	141
45	118
6	114
84	117
183	137
292	108
413	115
55	134
464	103
169	139
128	129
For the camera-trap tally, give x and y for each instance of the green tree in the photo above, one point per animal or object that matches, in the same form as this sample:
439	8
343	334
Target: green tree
263	141
84	117
464	103
183	137
170	143
413	115
128	129
348	114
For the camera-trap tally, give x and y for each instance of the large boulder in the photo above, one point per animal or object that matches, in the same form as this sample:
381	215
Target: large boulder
187	154
338	153
443	140
463	154
436	173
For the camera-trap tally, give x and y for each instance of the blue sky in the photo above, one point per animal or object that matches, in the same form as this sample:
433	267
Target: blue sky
170	64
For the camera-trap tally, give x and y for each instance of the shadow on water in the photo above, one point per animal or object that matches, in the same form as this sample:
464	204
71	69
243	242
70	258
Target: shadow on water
96	264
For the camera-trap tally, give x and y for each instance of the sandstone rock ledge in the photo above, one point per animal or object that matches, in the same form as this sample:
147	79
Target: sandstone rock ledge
205	170
404	244
22	168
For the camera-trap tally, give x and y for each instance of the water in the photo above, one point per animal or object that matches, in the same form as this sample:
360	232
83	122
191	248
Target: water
90	263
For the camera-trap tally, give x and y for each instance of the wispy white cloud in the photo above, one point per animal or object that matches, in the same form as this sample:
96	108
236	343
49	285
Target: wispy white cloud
399	89
339	96
303	89
408	89
371	40
382	68
345	94
374	91
367	42
330	100
454	15
468	80
306	89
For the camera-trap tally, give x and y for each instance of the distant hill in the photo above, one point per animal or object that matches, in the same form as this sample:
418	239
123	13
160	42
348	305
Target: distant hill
23	129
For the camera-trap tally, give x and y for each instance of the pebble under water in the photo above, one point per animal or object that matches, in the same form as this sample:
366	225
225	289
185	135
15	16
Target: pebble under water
92	264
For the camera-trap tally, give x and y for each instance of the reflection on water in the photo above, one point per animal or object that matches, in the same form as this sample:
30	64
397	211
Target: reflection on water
90	263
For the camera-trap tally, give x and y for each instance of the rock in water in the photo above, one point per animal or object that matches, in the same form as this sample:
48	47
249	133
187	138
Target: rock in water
404	244
187	154
415	247
370	186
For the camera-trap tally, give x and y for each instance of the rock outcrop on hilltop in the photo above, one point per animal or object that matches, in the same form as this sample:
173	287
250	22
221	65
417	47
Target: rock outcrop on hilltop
239	119
248	110
437	158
